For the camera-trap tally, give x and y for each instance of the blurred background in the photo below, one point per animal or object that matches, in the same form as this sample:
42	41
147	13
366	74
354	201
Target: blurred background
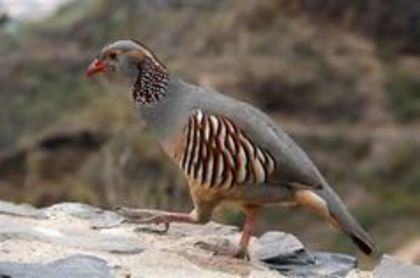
342	77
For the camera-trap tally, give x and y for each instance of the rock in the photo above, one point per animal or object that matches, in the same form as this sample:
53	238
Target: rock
108	243
21	210
79	266
49	242
409	251
215	229
357	273
98	218
390	268
285	253
276	245
66	230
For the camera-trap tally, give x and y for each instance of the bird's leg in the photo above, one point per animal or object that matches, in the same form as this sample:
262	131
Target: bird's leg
143	216
247	231
149	216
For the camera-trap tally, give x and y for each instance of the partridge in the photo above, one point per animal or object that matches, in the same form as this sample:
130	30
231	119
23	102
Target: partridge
229	150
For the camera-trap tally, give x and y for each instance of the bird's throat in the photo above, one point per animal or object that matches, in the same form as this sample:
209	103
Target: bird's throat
151	83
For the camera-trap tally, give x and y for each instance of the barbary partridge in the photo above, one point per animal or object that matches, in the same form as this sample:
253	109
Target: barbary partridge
228	149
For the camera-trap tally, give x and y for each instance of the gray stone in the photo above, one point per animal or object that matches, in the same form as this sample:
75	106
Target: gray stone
391	268
108	243
196	230
97	217
77	266
64	230
286	254
16	230
24	210
275	245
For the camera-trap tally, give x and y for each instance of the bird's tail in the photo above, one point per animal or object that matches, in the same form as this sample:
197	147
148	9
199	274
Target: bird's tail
328	204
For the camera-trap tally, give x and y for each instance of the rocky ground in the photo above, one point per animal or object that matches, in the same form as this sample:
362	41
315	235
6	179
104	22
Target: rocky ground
334	74
78	240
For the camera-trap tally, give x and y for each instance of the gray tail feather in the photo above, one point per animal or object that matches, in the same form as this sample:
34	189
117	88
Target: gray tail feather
346	221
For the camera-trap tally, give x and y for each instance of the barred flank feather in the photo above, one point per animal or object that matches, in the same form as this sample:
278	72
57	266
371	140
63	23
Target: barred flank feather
218	153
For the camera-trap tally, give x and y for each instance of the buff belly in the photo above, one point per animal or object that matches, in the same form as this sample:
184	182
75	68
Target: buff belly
244	194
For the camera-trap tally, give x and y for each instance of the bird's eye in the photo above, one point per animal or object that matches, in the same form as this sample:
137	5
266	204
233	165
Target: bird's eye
113	55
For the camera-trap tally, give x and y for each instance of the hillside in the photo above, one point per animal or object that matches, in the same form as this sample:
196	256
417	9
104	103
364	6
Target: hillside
349	95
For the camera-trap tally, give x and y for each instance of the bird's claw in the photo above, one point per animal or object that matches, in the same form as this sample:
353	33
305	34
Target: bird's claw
137	216
156	220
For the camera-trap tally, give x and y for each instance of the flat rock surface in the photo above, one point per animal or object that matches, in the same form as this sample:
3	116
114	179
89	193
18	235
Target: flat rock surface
21	210
285	253
390	268
78	240
75	266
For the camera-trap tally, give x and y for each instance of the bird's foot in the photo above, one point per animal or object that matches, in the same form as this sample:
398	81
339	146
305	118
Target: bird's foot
144	216
149	216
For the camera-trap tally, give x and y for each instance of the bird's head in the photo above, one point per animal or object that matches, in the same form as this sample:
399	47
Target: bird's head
126	57
135	61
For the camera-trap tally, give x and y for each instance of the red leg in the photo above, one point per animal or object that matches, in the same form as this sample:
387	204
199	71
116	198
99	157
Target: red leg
145	216
149	216
248	230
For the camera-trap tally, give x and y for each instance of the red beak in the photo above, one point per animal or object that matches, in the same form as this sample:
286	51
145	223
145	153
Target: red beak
95	67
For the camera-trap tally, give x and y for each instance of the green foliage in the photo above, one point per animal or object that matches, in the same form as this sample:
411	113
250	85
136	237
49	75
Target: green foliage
395	189
394	22
401	172
403	92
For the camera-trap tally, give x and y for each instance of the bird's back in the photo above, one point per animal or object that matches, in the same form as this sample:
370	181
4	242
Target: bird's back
293	165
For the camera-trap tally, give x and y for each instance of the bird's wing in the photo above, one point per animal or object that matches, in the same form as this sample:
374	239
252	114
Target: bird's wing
219	150
260	137
216	152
